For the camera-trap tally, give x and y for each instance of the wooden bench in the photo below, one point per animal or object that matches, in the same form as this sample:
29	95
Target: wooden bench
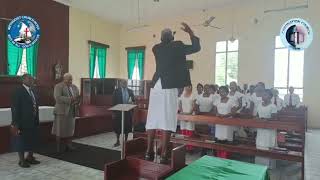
289	120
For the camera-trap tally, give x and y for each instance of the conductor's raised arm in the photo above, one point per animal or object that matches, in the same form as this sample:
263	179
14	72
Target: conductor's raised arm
195	41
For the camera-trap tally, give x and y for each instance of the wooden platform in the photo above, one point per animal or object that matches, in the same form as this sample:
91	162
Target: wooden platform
134	167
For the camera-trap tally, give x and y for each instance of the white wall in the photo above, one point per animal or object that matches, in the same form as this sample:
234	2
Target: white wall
256	52
84	27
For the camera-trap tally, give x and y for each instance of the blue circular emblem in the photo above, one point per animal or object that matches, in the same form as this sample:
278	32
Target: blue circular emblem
296	34
23	31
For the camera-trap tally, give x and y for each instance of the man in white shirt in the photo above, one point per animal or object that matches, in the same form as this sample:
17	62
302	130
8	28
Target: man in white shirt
276	100
291	99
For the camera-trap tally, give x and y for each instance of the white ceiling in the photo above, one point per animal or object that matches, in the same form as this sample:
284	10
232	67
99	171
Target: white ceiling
126	11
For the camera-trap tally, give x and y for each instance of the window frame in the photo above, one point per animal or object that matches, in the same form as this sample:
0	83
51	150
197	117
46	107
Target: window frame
226	52
288	70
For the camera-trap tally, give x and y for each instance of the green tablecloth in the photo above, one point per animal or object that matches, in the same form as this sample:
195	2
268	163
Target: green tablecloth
211	168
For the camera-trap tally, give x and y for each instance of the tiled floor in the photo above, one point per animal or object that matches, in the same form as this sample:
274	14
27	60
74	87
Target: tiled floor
49	169
53	169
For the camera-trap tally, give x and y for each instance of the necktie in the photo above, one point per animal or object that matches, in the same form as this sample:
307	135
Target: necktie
290	100
73	105
275	101
33	101
69	91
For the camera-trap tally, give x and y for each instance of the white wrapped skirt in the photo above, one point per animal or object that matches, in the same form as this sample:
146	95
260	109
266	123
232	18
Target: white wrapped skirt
163	108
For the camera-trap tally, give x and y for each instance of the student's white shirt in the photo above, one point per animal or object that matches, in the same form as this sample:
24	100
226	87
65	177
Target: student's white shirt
225	108
215	97
187	107
187	103
205	103
237	95
223	132
266	111
246	100
256	102
266	138
280	103
295	100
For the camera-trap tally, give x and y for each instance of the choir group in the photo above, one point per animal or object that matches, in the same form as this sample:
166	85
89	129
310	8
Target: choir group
231	101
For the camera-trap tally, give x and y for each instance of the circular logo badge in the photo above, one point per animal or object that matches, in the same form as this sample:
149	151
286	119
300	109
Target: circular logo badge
23	31
296	34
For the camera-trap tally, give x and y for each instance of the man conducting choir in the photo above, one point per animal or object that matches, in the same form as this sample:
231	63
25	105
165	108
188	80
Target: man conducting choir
171	73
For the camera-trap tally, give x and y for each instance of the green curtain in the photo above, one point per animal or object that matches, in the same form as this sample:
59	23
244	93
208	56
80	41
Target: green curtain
92	61
32	59
14	58
131	59
102	61
140	57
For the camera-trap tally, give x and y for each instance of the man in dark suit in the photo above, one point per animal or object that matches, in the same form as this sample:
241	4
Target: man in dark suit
122	95
25	121
171	74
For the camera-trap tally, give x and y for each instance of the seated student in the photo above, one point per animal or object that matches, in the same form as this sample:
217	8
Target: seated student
204	103
187	106
224	108
291	99
276	100
266	138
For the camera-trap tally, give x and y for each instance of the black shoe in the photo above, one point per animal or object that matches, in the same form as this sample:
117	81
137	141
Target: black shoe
32	161
149	156
24	164
70	148
116	144
164	160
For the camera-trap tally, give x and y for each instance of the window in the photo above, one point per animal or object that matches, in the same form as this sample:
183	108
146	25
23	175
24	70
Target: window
23	66
22	61
98	60
226	69
135	61
288	69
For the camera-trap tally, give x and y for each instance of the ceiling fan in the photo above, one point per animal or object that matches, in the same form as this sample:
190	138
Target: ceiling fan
208	22
139	26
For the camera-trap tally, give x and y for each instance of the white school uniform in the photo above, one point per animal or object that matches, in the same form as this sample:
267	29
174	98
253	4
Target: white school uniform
266	138
280	103
187	108
256	102
205	103
163	108
223	132
246	100
215	97
295	100
237	95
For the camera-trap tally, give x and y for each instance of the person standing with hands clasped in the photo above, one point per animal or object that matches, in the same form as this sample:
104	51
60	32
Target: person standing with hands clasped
67	100
25	121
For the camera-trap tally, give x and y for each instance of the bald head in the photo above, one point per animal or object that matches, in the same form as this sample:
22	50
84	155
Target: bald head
67	79
166	35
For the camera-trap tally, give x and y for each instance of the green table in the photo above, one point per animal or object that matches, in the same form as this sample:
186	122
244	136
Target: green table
211	168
